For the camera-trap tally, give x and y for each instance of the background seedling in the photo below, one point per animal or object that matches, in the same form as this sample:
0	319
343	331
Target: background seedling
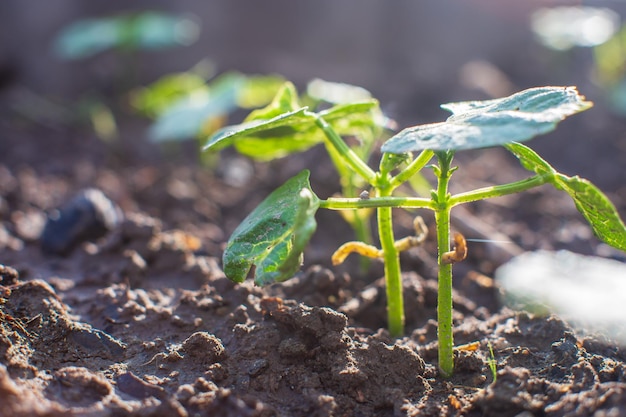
492	363
273	237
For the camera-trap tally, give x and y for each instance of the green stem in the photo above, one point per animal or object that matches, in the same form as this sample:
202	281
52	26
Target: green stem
347	154
413	168
393	276
376	202
444	293
499	190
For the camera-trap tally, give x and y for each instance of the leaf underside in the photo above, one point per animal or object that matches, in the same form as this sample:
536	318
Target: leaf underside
481	124
589	200
274	235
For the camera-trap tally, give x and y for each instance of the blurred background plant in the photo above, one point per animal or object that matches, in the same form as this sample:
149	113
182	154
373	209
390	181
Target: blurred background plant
599	28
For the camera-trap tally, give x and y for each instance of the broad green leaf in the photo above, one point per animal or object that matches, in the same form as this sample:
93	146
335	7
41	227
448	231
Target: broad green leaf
284	127
589	200
349	119
480	124
597	209
274	235
278	119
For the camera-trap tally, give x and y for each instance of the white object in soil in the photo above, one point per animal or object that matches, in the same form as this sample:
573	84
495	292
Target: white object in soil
587	290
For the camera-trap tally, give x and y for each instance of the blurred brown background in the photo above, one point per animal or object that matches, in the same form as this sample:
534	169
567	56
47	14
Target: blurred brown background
412	55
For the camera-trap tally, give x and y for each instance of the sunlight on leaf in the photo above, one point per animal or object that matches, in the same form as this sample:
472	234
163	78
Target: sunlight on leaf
336	93
480	124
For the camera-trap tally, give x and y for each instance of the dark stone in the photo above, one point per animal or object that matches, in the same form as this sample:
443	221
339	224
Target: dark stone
90	215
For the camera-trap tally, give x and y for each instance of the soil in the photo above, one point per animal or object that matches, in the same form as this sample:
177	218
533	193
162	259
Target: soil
126	311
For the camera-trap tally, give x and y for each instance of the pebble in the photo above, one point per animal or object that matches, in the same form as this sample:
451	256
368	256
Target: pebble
131	384
8	275
89	215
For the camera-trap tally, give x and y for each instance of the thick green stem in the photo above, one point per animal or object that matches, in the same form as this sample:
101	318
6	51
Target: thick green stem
348	155
444	296
393	276
444	293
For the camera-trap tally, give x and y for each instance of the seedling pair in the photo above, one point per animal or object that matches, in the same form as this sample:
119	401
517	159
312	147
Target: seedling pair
273	237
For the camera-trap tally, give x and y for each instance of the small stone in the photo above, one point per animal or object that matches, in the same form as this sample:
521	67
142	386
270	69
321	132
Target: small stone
8	275
131	384
293	348
89	215
258	367
204	346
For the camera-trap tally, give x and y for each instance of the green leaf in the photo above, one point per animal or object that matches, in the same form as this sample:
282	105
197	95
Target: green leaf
278	120
274	235
597	209
259	90
156	98
336	93
186	117
480	124
530	159
147	30
284	127
589	200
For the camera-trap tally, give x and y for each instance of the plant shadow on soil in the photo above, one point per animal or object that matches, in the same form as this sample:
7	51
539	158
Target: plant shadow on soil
143	322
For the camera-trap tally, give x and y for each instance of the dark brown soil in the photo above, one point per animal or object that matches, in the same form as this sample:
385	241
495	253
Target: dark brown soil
142	322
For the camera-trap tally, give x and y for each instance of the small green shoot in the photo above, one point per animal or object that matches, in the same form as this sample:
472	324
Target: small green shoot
492	363
273	237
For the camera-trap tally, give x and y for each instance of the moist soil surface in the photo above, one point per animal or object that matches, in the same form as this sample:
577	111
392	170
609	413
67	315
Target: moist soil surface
123	310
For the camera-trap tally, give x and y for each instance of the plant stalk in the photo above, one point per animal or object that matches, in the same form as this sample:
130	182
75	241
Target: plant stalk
499	190
413	168
444	292
393	276
334	203
344	151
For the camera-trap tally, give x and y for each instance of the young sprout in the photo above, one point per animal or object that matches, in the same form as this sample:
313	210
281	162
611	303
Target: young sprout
492	363
273	237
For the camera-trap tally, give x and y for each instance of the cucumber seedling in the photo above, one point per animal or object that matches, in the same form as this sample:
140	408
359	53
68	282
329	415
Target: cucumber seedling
273	237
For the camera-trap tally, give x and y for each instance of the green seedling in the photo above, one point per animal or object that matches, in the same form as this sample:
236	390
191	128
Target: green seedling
148	30
348	110
273	237
492	363
186	106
